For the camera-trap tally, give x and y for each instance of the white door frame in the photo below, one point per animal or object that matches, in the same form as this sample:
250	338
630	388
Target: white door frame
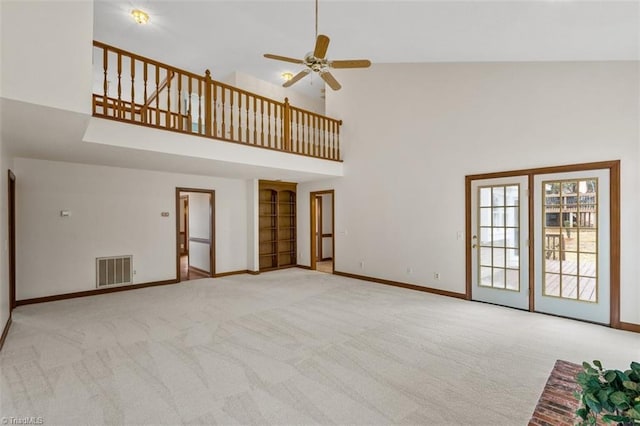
614	235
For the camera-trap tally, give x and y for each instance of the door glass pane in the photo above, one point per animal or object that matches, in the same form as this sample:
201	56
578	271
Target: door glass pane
512	237
569	241
552	285
485	217
485	256
570	286
485	236
498	237
513	260
498	257
495	236
485	197
588	262
498	196
498	278
485	276
498	216
588	289
513	279
511	216
511	196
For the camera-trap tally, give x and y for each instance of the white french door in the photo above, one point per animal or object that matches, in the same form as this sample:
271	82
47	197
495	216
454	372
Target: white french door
572	259
571	235
500	253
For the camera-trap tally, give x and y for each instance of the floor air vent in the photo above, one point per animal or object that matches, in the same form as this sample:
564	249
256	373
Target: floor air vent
113	270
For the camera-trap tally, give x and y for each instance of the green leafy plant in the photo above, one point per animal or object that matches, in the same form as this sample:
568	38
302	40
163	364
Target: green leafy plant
612	395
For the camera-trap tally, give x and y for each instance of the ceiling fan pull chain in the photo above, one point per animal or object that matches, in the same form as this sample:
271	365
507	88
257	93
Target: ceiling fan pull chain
316	18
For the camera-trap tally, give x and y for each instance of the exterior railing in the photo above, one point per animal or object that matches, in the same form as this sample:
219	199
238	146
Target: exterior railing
142	91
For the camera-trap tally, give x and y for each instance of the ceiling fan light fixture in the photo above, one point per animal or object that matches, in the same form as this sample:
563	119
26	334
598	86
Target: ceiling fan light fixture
140	16
286	76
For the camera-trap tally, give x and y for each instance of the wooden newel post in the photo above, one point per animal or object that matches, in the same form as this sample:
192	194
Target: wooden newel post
287	125
208	106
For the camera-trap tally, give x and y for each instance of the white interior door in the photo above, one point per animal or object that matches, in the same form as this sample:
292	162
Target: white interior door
500	253
572	258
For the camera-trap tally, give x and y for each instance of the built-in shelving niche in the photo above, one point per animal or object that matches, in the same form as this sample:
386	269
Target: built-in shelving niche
277	225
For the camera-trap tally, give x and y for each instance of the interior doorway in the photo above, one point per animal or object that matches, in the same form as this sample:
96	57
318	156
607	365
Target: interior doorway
195	233
547	240
12	240
322	210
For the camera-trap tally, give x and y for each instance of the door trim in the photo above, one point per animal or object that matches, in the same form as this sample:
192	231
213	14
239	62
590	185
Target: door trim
312	230
614	237
12	240
212	225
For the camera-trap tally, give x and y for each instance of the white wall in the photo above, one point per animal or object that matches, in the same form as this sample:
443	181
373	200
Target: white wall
48	45
401	201
264	88
199	227
113	211
6	163
253	233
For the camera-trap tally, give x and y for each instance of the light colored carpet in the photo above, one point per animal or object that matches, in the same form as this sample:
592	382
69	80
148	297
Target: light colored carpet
288	347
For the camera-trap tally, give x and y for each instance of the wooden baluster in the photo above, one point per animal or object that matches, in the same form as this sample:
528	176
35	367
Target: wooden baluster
224	114
286	129
338	140
294	131
246	120
269	124
239	116
133	90
305	133
262	122
157	123
119	85
313	135
255	113
199	106
215	110
231	96
208	98
189	112
333	139
169	77
105	83
277	135
300	142
145	77
325	130
179	98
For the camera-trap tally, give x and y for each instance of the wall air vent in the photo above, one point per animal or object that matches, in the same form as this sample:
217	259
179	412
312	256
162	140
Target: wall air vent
114	270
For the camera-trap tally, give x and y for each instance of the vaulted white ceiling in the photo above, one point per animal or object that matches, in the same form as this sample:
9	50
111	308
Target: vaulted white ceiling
227	36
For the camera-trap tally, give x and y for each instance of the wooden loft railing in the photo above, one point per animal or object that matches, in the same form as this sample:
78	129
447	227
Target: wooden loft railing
139	90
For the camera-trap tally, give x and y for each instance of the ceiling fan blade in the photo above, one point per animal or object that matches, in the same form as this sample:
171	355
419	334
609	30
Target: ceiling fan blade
302	74
351	63
322	44
330	80
283	58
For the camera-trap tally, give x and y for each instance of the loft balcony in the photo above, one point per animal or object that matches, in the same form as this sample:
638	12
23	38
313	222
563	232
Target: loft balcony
142	91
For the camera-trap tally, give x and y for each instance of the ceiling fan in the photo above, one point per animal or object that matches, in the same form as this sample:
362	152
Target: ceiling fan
317	61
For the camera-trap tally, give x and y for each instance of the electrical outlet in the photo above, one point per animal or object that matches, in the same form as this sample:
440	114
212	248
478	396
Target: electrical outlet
436	275
134	272
409	270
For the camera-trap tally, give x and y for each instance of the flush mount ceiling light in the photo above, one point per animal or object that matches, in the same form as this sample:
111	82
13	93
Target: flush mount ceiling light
140	16
286	76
